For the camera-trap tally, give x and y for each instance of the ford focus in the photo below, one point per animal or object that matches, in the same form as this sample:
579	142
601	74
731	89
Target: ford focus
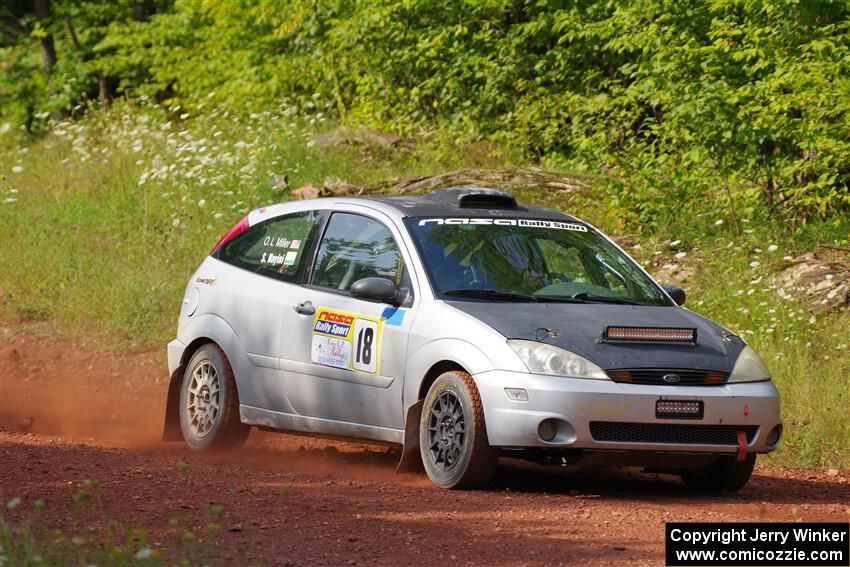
461	326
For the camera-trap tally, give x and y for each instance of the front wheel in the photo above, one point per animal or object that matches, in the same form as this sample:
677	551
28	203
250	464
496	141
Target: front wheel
725	474
209	402
453	435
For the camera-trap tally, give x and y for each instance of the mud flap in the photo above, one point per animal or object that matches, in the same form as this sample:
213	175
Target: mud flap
411	460
171	427
742	446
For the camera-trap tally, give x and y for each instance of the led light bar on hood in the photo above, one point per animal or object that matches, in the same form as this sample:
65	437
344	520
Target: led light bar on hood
650	335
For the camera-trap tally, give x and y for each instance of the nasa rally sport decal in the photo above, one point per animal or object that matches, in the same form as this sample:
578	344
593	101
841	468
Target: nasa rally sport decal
346	340
533	223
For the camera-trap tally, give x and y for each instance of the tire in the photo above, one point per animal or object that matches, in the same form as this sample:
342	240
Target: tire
209	402
725	474
453	435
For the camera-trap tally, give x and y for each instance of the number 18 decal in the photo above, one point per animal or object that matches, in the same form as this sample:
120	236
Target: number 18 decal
365	345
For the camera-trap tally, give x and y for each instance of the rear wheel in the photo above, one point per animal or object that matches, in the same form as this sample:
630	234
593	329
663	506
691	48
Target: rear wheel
209	402
453	435
725	474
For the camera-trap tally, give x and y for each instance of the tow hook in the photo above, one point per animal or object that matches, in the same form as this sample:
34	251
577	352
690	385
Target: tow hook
742	445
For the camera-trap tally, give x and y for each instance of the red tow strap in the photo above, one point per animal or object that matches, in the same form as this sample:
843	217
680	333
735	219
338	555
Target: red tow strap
742	445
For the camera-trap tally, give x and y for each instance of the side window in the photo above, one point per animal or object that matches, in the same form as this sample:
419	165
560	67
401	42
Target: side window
356	247
275	248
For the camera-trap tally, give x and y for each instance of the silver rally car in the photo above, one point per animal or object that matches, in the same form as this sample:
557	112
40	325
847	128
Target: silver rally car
461	326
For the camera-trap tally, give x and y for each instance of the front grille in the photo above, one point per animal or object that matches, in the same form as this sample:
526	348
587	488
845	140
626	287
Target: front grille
656	376
669	433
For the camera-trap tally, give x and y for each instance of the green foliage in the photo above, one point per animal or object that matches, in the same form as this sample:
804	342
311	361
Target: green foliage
679	103
26	540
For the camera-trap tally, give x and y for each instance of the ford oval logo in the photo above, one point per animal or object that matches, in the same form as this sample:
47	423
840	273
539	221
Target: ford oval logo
671	378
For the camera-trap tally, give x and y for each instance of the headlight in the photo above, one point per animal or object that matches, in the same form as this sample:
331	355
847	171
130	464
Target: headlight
749	367
541	358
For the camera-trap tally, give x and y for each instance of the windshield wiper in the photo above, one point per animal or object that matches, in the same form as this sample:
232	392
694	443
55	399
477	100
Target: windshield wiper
593	298
494	294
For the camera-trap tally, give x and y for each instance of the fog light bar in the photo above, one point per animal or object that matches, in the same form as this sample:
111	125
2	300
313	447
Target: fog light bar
679	409
517	394
650	335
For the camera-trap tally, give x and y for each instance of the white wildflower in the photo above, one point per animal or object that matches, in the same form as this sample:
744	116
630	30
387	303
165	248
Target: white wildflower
202	203
175	223
718	222
9	200
787	258
755	264
772	248
17	169
812	320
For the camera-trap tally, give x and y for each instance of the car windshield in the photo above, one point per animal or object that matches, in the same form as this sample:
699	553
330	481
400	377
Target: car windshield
503	259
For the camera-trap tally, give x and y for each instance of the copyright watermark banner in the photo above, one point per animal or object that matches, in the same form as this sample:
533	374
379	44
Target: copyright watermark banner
812	544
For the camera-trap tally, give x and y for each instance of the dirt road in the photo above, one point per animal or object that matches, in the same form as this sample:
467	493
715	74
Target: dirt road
70	414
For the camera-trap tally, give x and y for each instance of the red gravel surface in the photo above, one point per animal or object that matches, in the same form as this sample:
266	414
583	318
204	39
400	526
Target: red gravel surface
71	414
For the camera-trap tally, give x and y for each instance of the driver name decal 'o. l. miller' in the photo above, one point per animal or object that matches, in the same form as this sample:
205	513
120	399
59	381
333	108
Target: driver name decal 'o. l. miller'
346	340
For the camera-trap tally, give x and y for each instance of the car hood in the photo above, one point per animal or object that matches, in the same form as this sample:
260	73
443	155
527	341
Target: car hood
579	328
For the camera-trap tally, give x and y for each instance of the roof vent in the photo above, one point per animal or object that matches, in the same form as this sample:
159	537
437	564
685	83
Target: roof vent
474	198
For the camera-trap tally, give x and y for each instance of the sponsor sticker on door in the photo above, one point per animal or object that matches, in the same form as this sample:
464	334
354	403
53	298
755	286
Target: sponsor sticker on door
346	340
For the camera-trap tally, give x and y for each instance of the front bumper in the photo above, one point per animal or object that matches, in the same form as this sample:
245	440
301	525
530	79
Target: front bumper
576	403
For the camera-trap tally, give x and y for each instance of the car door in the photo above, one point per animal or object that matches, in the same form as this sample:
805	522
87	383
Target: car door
343	357
254	287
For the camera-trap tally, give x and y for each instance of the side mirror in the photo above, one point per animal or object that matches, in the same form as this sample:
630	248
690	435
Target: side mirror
380	290
677	294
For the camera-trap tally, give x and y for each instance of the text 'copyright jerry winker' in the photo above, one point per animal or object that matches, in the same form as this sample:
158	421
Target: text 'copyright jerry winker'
757	544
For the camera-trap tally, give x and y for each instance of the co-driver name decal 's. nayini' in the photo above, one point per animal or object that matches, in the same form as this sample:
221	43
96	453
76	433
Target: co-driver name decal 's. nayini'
346	340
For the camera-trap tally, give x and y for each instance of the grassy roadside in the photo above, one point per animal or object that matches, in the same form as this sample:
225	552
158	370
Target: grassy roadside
102	223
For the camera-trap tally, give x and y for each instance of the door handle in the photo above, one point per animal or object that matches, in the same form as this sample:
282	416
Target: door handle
305	308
